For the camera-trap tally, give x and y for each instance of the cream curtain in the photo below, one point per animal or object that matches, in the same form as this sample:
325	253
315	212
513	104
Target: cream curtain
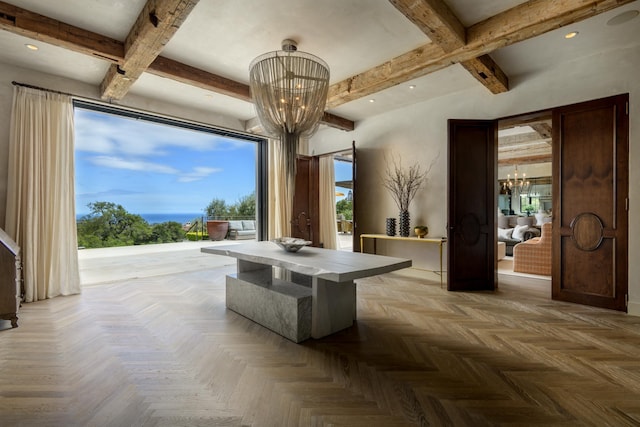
40	192
327	203
280	201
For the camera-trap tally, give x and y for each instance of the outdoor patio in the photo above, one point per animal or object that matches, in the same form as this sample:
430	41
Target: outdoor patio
104	265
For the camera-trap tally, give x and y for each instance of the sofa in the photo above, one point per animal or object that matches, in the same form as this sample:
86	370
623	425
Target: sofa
515	235
534	255
242	229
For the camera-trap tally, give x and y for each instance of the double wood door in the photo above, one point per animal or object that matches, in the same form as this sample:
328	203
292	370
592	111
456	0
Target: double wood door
590	219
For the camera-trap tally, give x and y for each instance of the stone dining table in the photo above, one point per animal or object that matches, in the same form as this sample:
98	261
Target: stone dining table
299	295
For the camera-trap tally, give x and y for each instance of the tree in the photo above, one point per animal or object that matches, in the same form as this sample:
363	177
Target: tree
217	209
166	232
245	207
345	207
110	225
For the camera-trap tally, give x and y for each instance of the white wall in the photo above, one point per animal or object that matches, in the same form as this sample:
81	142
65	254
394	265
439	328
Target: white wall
419	133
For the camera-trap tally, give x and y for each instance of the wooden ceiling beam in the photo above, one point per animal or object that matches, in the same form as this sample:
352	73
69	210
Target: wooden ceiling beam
39	27
521	138
337	122
529	150
487	72
444	29
156	24
519	23
543	129
543	116
525	160
174	70
436	20
57	33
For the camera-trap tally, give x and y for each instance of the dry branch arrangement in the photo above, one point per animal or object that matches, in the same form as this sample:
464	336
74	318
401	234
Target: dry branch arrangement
404	183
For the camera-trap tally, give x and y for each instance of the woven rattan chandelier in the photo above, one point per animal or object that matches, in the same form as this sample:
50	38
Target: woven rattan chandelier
289	90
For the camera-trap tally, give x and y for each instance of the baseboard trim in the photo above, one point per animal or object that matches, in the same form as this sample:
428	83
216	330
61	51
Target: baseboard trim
633	308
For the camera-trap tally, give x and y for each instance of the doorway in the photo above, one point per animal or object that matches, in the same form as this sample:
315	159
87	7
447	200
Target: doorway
589	225
324	200
524	197
343	167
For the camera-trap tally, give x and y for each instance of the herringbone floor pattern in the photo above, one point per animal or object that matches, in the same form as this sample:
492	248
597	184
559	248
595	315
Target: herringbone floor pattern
164	351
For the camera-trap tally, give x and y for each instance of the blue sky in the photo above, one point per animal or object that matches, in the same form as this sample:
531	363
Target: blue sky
153	168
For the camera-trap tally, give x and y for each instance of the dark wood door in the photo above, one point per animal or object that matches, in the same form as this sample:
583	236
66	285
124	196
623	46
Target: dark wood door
590	187
471	262
304	220
355	233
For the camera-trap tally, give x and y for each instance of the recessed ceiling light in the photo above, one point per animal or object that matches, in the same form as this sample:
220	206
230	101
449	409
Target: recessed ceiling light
571	35
623	17
412	86
31	46
372	100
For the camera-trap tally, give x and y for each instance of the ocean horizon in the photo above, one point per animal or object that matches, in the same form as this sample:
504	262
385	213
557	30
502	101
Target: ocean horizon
158	218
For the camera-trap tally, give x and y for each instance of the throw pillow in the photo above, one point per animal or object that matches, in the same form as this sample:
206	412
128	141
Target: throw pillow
505	233
518	231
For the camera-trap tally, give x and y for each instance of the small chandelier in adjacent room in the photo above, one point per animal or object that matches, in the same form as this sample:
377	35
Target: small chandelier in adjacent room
518	185
289	90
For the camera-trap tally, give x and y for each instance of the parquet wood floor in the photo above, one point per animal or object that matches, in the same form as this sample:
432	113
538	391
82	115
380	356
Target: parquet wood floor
164	351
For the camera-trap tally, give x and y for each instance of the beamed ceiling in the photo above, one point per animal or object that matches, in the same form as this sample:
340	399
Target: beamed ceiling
197	52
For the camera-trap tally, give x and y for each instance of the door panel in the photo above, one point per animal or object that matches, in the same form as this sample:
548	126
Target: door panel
471	206
305	221
590	254
355	233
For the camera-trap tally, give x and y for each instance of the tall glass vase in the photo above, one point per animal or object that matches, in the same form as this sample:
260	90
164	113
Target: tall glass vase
404	224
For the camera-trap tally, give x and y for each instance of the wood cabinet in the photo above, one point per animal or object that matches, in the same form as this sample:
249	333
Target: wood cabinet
10	269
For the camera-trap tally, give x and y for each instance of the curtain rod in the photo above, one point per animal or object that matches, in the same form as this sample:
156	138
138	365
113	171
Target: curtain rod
15	83
78	97
110	104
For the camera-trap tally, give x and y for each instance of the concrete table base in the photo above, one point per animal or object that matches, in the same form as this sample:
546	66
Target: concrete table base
316	297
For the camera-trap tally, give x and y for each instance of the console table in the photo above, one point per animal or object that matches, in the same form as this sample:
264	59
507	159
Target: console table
316	295
440	242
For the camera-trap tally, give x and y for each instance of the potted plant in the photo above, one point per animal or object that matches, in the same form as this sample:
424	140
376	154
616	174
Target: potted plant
528	209
217	227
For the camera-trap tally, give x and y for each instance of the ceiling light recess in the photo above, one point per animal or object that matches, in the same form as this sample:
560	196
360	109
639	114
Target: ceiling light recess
623	17
571	35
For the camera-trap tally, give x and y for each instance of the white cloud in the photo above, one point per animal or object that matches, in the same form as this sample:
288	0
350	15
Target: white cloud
198	173
134	165
108	134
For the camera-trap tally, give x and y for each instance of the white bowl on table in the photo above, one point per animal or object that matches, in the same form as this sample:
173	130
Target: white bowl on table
291	244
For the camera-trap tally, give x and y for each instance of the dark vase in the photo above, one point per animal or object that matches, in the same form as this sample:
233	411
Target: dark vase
391	226
404	224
